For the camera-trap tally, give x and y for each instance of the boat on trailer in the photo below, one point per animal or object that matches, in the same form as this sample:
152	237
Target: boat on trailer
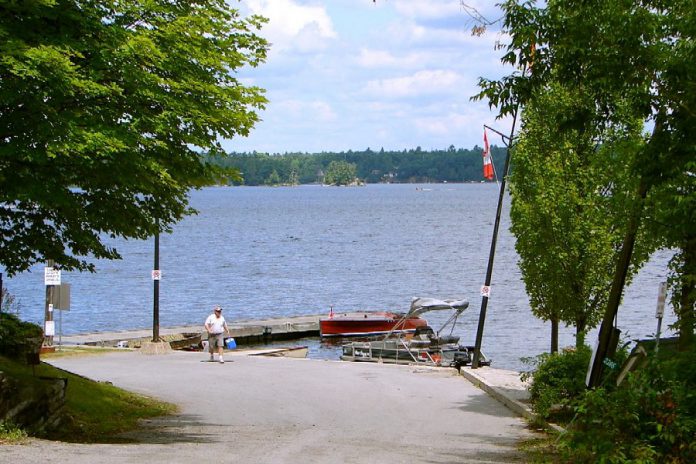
367	323
425	346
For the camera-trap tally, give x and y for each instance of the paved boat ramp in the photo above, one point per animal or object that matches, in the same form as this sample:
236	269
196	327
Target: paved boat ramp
503	385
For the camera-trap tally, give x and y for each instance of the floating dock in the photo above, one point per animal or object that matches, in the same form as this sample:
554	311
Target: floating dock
244	333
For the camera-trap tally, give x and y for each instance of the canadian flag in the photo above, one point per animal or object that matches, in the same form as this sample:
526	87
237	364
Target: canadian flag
487	162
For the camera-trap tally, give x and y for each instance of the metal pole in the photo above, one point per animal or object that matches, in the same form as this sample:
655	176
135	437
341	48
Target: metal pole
60	328
48	313
491	254
660	311
155	305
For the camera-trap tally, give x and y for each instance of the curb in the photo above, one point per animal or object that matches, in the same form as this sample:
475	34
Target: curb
515	406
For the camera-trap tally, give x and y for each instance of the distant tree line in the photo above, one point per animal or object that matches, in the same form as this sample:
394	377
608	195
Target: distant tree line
406	166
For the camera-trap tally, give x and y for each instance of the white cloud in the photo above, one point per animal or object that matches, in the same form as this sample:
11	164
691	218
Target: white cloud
371	58
311	110
346	75
426	82
427	9
292	25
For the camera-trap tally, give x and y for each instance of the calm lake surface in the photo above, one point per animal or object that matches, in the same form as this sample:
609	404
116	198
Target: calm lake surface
265	252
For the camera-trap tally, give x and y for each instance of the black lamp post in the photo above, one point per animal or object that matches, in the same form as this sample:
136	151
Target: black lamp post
155	280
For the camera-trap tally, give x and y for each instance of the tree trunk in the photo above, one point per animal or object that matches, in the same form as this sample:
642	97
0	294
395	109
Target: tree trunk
688	296
580	332
617	285
554	335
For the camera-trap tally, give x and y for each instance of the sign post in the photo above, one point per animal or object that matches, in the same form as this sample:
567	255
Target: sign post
660	311
61	301
51	279
156	276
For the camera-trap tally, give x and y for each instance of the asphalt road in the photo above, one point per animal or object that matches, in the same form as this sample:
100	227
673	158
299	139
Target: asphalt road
278	410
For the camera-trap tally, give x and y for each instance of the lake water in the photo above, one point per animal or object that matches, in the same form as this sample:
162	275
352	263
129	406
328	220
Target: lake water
265	252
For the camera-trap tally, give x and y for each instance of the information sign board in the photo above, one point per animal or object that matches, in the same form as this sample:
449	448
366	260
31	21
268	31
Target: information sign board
51	276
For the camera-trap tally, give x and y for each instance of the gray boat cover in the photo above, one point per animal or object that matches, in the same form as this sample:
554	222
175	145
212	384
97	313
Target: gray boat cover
421	305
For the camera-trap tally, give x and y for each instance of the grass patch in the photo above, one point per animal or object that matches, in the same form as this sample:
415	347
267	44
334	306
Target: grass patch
541	450
10	434
96	412
78	350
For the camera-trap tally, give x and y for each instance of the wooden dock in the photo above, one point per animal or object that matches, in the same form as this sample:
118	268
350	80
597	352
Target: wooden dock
244	333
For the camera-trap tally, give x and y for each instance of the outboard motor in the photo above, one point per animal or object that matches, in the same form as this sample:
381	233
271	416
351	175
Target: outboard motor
462	358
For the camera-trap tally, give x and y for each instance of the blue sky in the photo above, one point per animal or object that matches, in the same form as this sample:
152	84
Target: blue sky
357	74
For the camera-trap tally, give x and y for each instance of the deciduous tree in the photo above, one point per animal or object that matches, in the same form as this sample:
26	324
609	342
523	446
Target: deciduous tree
106	109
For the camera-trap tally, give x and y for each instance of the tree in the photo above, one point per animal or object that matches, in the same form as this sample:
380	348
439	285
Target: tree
340	173
273	178
106	110
563	210
635	60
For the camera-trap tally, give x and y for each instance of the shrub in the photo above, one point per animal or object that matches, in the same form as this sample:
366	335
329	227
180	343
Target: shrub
650	418
11	434
17	337
556	382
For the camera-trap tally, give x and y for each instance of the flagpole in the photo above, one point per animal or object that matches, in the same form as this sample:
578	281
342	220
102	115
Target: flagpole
485	290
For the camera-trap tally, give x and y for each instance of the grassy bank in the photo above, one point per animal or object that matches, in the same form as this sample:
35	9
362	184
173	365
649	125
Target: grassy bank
96	412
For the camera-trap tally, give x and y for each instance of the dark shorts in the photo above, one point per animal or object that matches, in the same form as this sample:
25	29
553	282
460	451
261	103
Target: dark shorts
215	341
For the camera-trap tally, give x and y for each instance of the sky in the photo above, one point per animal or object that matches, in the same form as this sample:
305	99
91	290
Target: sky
355	74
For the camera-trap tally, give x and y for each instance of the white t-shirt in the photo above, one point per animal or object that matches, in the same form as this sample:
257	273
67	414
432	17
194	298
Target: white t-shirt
216	324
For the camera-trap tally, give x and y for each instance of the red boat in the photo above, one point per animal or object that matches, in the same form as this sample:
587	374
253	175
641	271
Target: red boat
367	323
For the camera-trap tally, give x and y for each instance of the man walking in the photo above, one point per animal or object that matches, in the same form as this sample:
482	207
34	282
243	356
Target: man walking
215	325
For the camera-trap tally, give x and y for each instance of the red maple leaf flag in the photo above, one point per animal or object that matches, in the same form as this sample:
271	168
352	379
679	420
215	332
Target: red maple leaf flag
487	162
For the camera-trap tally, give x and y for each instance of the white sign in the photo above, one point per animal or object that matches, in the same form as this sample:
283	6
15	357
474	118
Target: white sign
156	274
50	328
50	308
486	291
51	276
661	297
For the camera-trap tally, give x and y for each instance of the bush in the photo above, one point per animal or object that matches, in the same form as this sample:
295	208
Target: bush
650	418
11	434
18	337
558	380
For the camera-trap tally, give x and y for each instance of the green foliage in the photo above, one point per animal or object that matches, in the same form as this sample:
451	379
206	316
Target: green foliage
18	337
10	434
340	173
105	110
9	302
650	418
566	213
631	61
406	166
557	381
95	412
